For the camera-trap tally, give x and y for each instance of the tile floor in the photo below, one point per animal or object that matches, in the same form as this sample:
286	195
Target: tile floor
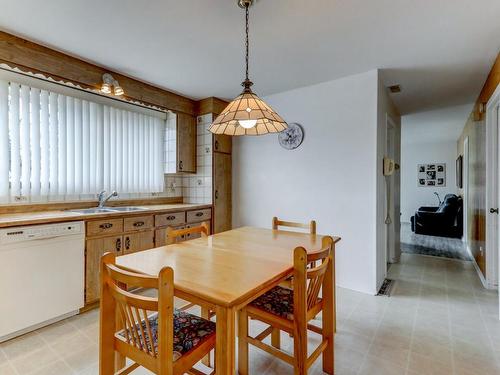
439	320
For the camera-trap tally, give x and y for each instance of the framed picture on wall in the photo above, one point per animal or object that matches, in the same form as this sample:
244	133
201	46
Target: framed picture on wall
460	182
431	174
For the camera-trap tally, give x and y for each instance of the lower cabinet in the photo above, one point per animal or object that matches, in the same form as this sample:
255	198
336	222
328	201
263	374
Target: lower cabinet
95	249
134	242
129	234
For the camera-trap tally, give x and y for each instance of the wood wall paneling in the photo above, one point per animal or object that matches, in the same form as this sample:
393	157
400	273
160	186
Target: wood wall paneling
35	58
489	87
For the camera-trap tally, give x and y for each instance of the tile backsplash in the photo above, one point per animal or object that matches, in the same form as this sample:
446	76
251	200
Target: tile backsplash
196	188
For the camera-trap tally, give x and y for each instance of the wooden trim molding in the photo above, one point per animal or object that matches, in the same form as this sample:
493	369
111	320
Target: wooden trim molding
34	58
210	105
487	91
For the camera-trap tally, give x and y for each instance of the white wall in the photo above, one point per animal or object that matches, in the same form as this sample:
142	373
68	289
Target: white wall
429	137
331	177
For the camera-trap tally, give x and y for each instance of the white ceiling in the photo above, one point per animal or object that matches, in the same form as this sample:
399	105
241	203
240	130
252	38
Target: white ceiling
440	51
440	125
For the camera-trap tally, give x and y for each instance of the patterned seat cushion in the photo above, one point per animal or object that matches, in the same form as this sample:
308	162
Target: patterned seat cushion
189	332
278	301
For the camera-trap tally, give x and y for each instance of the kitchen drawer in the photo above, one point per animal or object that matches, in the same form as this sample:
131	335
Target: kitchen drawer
199	215
170	219
196	235
138	223
109	226
161	236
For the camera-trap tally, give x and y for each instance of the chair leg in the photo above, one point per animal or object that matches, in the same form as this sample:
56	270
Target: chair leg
242	342
205	314
275	338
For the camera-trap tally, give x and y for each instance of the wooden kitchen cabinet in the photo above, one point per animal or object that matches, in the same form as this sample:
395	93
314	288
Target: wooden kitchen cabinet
133	242
222	143
186	143
222	199
94	250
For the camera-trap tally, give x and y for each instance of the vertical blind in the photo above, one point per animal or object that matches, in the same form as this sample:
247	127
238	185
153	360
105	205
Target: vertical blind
55	144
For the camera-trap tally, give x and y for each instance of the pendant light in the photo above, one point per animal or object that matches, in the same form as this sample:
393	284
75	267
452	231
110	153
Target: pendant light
247	114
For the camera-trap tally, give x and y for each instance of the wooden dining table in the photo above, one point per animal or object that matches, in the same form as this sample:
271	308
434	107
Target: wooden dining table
226	271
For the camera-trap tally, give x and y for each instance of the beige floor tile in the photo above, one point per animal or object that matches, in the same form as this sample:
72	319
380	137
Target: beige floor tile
22	345
55	368
34	360
378	366
7	369
424	365
83	359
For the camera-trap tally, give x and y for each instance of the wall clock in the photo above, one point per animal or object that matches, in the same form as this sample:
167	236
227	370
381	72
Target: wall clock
291	137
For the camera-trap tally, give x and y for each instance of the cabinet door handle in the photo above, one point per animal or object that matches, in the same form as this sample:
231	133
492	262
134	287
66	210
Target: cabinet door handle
493	210
171	217
105	226
127	243
138	224
198	214
216	194
118	244
180	165
216	145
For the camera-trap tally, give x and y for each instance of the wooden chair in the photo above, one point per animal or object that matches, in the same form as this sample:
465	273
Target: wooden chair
147	330
173	234
290	224
288	283
291	310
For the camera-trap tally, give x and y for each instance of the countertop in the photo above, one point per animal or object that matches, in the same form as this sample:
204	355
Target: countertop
47	217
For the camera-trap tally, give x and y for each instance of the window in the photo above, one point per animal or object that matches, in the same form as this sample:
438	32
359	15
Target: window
54	144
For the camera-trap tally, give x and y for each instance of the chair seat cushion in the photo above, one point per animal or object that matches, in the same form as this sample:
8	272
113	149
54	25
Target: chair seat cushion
278	301
189	332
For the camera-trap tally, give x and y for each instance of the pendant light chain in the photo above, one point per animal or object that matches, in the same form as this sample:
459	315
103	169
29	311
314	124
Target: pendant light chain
247	42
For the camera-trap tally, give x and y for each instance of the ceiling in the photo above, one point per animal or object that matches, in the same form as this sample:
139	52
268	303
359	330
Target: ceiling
436	126
439	51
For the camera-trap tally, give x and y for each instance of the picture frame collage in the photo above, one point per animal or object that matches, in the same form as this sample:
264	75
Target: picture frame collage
433	175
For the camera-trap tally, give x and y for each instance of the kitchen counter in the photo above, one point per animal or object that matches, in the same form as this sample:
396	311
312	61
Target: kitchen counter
46	217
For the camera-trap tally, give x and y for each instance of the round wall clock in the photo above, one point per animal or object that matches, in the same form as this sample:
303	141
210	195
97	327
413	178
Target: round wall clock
291	137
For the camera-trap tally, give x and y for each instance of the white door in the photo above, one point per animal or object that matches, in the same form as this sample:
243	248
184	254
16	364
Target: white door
492	189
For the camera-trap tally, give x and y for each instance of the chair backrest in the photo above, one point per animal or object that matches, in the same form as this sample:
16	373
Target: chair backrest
173	234
308	275
144	325
311	226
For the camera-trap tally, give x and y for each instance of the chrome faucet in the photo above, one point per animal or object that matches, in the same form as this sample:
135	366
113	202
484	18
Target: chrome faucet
102	200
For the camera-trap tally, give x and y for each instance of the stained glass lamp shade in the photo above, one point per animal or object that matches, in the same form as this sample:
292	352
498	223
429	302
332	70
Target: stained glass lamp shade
248	115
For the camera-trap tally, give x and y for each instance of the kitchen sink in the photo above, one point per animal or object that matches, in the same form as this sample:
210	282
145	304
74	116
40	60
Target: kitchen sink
97	210
93	210
127	209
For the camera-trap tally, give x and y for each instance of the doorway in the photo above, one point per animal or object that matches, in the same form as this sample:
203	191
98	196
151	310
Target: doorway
391	220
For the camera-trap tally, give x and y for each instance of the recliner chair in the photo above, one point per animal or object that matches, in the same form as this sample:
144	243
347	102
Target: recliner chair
445	220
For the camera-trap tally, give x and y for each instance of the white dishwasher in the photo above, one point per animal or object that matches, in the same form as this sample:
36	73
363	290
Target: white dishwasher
41	275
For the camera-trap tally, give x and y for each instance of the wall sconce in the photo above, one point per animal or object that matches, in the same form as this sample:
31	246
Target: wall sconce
107	82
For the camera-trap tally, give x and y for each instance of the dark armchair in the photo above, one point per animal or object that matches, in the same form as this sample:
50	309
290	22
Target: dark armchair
445	220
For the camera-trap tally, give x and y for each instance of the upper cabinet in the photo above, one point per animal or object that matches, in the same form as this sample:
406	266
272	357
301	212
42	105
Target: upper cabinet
186	143
222	143
180	144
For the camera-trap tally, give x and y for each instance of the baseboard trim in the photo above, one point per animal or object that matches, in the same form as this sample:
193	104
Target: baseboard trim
479	272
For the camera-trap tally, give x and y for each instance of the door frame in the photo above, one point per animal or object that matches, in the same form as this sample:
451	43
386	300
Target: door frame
391	255
492	189
465	179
